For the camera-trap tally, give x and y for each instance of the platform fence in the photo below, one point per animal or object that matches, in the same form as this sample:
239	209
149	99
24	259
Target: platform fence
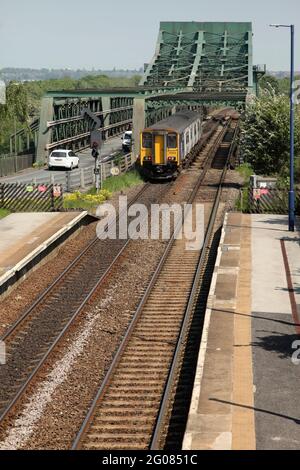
17	197
266	201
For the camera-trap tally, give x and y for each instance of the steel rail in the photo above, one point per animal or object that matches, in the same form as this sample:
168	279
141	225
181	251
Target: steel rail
44	294
64	273
40	299
169	387
107	379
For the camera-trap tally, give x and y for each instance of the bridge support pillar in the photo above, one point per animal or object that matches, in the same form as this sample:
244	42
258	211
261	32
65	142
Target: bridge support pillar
44	137
139	122
106	105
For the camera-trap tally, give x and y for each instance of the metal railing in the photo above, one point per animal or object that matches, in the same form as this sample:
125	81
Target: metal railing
82	178
86	176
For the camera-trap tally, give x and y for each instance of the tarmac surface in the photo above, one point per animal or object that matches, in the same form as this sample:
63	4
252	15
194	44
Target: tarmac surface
275	327
44	175
22	235
245	391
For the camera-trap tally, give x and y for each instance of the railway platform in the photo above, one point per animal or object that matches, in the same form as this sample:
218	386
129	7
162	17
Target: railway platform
25	238
246	389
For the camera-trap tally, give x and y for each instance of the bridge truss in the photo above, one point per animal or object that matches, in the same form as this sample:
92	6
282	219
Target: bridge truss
195	65
205	57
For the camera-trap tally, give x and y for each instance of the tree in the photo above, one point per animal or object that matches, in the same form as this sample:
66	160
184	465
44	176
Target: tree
13	113
265	134
268	82
24	99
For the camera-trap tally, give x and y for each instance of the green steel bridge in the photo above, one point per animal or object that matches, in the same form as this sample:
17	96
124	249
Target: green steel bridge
196	65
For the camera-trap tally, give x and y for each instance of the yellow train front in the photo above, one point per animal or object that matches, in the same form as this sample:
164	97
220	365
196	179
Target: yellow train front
166	145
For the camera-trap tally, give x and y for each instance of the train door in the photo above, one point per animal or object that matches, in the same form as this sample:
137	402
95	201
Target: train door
159	149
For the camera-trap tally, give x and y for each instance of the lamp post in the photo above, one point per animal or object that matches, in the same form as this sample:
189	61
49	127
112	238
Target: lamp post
292	132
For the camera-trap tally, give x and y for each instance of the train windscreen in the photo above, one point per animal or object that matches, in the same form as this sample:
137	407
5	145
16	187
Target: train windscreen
172	141
147	140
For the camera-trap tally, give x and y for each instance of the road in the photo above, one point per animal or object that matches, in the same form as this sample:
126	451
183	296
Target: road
44	175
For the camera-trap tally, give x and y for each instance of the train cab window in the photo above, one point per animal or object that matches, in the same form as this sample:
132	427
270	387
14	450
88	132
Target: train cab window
172	141
147	140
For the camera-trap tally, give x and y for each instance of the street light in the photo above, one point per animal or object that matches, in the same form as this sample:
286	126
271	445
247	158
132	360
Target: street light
292	137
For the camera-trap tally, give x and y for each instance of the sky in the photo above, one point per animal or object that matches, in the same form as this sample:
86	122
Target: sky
104	34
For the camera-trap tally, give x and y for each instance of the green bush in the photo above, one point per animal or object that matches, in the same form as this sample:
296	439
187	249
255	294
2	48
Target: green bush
38	164
78	200
245	170
265	134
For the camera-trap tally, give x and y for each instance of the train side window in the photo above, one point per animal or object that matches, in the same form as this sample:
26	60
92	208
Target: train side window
172	141
147	140
187	137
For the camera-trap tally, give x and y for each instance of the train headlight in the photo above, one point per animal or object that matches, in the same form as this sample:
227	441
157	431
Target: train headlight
147	159
171	159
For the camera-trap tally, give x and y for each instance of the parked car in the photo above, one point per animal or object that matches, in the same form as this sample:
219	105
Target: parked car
61	158
127	141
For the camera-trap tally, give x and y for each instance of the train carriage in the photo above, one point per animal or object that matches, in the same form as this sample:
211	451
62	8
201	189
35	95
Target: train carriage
166	145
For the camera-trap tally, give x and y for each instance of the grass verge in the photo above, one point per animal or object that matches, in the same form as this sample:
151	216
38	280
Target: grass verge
245	170
3	213
111	185
117	183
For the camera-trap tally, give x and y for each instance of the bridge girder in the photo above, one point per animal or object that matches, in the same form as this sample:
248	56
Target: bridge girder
63	125
195	65
204	56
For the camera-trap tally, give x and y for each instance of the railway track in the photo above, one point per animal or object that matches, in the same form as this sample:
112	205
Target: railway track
32	338
30	341
130	408
171	421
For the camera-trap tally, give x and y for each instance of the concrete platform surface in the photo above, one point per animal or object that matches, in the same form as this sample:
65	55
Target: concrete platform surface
25	235
248	375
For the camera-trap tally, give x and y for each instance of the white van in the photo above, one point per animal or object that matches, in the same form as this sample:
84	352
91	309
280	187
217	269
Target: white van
127	141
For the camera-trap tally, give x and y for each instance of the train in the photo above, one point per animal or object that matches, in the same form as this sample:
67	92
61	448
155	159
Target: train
167	146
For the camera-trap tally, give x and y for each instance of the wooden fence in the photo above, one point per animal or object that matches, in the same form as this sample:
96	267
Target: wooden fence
123	164
82	178
18	197
10	164
86	177
267	201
